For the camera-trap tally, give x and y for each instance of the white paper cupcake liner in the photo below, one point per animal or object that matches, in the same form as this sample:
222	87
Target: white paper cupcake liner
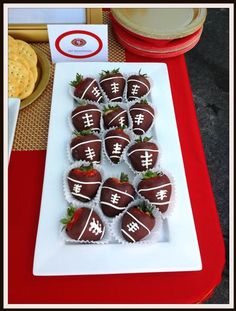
127	131
122	105
107	236
172	203
153	237
69	154
127	159
67	194
79	100
71	126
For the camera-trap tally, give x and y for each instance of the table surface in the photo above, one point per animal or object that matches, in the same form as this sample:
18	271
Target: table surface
221	297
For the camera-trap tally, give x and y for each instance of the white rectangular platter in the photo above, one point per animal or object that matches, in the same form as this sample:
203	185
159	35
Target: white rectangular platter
177	248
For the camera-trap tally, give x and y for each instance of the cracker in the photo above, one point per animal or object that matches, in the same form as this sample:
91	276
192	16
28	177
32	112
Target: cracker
11	41
29	87
34	71
19	73
13	88
19	59
26	50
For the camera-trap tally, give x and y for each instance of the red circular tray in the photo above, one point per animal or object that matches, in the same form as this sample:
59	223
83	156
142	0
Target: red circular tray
173	48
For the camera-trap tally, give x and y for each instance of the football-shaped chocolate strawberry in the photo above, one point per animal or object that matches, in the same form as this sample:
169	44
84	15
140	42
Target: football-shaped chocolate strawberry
115	116
143	154
156	188
83	224
87	88
116	194
142	115
84	182
115	142
86	146
137	86
86	117
113	84
137	223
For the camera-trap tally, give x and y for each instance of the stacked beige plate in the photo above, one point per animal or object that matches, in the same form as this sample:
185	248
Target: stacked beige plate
154	32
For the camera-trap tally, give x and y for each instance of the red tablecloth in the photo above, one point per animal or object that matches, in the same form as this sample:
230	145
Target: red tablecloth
26	171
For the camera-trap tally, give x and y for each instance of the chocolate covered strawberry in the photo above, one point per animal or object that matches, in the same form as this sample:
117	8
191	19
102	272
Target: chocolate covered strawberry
143	154
83	224
115	116
142	115
137	86
137	222
156	188
116	194
86	117
84	182
86	146
115	142
86	88
113	84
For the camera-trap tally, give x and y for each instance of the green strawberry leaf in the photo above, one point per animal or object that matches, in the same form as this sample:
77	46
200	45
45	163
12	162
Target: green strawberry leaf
86	168
143	139
105	73
124	177
150	174
142	74
79	78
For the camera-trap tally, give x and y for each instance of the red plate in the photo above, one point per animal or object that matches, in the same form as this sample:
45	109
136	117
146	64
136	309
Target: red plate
161	54
152	44
171	46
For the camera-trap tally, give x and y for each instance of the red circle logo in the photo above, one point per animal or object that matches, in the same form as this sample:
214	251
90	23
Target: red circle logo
83	32
78	42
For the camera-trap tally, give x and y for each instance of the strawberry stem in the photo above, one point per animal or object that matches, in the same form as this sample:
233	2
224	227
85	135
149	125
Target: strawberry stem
78	79
105	73
86	168
124	177
150	174
142	74
82	133
110	108
143	139
143	101
70	213
146	208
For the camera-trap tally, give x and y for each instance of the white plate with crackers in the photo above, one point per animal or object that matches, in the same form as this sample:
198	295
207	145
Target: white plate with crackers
28	71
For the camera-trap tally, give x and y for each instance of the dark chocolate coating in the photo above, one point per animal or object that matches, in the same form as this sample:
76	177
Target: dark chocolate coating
131	227
90	151
115	198
136	89
143	159
80	190
111	120
159	195
93	92
115	145
141	126
91	223
113	90
87	120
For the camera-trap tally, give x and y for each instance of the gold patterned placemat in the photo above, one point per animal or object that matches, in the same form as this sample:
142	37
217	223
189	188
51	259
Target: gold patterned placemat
32	124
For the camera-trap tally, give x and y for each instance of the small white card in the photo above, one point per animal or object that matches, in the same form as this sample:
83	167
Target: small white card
78	43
